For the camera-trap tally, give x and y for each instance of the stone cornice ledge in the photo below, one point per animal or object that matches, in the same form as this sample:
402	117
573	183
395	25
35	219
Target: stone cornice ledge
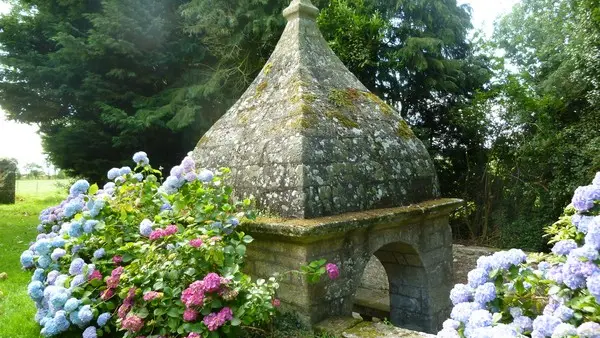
331	225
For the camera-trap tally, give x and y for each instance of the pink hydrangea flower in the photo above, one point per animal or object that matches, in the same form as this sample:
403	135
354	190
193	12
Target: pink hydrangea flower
113	281
95	275
193	295
276	302
171	229
190	315
196	243
156	234
117	272
332	271
132	323
107	294
193	335
226	314
117	260
124	310
212	282
151	295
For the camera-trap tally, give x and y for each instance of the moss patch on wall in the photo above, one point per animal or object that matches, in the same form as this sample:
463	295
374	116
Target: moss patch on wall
404	131
342	119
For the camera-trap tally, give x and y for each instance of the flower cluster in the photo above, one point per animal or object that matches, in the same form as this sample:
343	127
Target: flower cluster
557	295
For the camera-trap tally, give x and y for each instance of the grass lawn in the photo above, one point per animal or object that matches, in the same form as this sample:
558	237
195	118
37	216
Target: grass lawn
17	229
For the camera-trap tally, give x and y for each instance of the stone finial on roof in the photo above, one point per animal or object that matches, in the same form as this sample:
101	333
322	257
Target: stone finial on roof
301	9
307	139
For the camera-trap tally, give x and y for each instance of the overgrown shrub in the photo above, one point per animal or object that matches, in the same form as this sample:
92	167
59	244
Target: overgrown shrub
544	295
146	259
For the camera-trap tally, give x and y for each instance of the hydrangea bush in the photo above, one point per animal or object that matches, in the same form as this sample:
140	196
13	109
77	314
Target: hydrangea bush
553	295
145	259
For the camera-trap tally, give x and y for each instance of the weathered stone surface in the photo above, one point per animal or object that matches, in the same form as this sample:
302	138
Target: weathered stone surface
307	139
8	176
349	327
418	275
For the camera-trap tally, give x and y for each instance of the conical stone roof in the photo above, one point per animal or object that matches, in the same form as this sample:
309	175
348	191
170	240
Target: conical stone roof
307	139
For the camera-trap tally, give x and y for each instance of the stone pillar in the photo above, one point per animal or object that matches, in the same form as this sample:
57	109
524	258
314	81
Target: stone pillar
8	177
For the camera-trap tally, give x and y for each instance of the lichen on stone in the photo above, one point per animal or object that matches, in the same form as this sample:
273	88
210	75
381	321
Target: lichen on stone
268	68
404	131
341	118
343	98
385	108
260	89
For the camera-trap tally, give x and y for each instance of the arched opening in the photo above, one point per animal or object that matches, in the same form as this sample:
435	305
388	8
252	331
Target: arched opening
372	299
395	285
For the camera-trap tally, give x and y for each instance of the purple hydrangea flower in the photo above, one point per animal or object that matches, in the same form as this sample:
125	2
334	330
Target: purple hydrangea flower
99	253
76	267
589	330
479	318
462	311
564	247
563	313
461	293
564	330
103	319
593	285
485	293
205	176
89	332
585	252
545	324
451	324
177	171
522	324
113	173
146	227
584	197
477	277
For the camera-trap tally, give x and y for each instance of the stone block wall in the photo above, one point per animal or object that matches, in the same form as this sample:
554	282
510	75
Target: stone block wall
8	177
416	251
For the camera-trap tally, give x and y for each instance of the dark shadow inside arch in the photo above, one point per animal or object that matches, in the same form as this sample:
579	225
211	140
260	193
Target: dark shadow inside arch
394	287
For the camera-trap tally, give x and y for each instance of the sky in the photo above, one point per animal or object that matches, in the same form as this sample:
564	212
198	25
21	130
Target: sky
22	141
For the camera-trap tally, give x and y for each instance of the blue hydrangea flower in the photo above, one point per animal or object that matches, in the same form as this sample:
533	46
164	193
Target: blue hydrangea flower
27	259
522	324
79	187
103	319
564	247
205	175
146	227
77	280
582	222
563	313
498	331
592	238
545	324
113	173
448	333
99	253
43	246
89	332
584	197
38	275
165	206
124	171
57	254
85	314
177	171
190	177
461	293
44	262
141	158
477	277
485	293
89	226
76	267
593	285
451	324
588	330
585	252
74	318
139	177
479	318
61	280
51	278
72	304
75	249
462	311
564	330
35	290
58	299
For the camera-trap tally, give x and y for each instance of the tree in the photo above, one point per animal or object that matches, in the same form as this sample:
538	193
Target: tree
34	170
549	140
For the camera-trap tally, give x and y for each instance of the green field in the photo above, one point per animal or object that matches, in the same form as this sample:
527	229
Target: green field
17	230
40	187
